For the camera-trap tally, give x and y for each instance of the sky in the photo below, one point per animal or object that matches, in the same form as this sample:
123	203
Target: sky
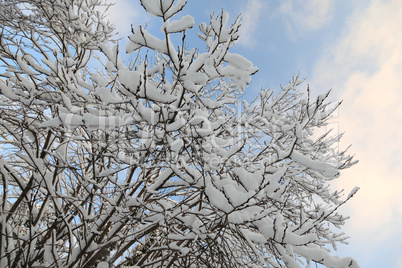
353	48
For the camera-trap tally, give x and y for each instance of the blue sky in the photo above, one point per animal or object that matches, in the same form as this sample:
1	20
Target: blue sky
353	48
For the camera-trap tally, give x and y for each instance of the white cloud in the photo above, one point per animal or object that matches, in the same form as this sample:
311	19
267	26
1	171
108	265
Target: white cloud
250	18
365	68
305	15
124	13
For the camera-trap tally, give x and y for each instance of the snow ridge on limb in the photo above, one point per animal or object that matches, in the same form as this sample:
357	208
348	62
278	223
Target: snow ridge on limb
156	162
165	8
185	23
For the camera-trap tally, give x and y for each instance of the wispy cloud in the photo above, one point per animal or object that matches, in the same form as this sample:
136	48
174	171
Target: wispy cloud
365	67
250	18
305	15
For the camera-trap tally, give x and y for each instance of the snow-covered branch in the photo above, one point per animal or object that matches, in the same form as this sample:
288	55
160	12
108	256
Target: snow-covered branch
157	163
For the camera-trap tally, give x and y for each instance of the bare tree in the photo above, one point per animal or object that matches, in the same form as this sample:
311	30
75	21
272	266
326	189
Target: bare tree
156	162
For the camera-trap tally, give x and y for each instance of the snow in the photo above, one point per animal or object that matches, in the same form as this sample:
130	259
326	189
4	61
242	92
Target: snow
71	120
265	226
142	37
250	180
176	26
99	80
322	167
162	177
106	172
130	79
31	61
182	237
182	250
195	77
235	73
161	149
166	4
51	123
240	62
132	202
7	91
353	192
146	114
225	17
62	151
175	145
48	256
107	96
102	264
190	86
176	8
23	65
112	55
235	196
153	93
106	122
315	253
176	125
254	236
272	189
197	63
216	197
152	7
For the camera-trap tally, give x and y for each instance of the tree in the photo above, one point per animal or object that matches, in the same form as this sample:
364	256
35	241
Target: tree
157	161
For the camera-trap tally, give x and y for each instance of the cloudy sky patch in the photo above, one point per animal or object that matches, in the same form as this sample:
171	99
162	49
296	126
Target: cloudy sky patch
250	20
305	15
